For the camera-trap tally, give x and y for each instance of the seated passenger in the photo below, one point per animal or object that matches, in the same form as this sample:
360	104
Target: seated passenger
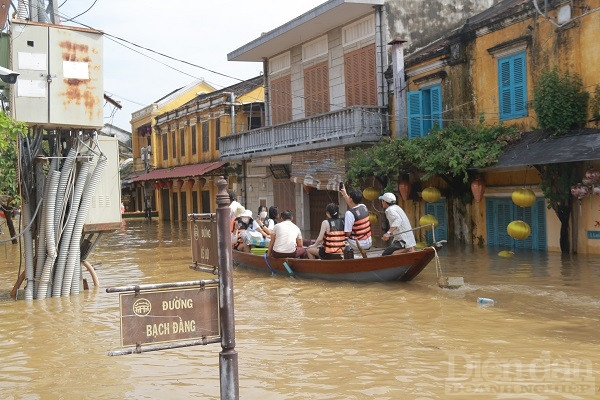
286	239
265	223
242	223
332	236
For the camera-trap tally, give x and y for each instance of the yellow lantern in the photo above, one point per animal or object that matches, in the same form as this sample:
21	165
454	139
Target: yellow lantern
518	230
371	193
523	197
506	254
421	245
428	219
431	194
373	217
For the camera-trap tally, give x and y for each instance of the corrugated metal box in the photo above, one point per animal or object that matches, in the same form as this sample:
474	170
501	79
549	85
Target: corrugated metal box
61	75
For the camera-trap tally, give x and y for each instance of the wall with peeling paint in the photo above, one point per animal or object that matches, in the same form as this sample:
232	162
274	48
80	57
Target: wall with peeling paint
420	22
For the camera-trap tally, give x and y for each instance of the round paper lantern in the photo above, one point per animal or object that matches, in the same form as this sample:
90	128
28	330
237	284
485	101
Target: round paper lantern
191	182
523	197
373	217
180	182
428	219
404	189
431	194
371	193
170	184
596	190
579	191
593	175
477	188
506	254
421	245
518	230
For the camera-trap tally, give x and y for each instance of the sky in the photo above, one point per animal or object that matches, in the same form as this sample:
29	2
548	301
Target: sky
201	32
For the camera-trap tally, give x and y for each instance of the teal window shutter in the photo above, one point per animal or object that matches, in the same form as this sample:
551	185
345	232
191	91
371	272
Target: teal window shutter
500	212
415	114
438	210
512	86
436	106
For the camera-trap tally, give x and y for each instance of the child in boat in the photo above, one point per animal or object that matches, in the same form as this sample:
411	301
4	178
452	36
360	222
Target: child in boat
331	240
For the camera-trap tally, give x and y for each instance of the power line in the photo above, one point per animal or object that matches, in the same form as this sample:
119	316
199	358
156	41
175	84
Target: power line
79	15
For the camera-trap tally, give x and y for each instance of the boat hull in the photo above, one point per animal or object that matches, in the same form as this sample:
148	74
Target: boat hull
401	267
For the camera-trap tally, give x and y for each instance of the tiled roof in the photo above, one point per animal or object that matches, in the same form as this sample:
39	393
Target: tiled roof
185	171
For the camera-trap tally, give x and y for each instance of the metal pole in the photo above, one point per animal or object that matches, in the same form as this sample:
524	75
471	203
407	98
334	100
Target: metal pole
228	358
146	159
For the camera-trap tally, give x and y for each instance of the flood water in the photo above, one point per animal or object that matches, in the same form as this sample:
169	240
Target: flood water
308	339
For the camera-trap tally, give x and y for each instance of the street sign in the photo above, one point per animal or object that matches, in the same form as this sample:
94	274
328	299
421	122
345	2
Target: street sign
168	315
204	239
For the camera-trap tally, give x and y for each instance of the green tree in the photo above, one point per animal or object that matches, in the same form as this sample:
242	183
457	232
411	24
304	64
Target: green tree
9	185
560	103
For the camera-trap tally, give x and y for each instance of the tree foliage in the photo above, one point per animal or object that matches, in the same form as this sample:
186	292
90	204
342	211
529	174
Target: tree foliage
9	131
449	153
560	103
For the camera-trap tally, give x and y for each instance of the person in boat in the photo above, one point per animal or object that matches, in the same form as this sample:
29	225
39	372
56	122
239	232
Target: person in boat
242	224
356	219
264	224
286	239
330	243
234	205
403	238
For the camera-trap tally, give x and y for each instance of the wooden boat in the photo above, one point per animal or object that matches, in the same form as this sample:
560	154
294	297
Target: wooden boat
374	268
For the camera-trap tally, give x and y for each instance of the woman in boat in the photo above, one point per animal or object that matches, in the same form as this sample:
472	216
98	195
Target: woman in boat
266	220
286	239
242	224
329	245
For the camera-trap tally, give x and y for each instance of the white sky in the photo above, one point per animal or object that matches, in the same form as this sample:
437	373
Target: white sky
199	31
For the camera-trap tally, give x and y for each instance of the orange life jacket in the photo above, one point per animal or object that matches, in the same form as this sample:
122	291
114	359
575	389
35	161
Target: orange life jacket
333	241
362	227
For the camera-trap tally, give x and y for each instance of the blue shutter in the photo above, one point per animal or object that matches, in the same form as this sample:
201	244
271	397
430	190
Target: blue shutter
520	85
415	115
505	215
436	106
490	223
437	209
500	212
504	88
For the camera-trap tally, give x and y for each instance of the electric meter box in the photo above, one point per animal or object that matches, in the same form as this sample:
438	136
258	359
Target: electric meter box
60	83
105	209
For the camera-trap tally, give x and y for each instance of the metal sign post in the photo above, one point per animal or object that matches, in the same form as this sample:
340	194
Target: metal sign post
228	357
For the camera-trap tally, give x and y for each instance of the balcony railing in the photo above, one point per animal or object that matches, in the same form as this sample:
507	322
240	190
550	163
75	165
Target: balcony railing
343	127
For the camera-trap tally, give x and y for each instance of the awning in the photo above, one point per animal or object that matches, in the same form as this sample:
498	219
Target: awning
185	171
537	148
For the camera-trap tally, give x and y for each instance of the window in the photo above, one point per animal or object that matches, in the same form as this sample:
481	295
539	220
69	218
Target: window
438	210
165	147
424	111
360	75
217	132
173	144
281	99
512	86
194	139
316	89
254	122
182	141
205	137
501	211
205	201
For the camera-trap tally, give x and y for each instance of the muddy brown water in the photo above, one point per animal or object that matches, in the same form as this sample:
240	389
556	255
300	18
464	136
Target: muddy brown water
308	339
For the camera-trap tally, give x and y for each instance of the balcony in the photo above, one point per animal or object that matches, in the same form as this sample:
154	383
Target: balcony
349	126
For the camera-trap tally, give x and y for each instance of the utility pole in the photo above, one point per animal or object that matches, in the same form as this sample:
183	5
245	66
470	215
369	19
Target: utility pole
146	151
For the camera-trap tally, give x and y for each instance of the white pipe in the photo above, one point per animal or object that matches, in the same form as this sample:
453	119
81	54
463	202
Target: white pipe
62	194
52	182
61	274
75	248
22	9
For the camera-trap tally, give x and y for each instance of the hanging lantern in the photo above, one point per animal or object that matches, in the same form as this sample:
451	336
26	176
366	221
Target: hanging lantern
201	183
191	182
170	184
373	217
580	191
307	188
518	230
431	194
506	254
180	182
523	197
593	175
477	188
370	193
404	189
428	219
157	185
596	190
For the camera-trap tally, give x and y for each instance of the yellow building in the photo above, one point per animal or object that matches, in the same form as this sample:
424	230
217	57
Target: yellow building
141	135
186	147
489	67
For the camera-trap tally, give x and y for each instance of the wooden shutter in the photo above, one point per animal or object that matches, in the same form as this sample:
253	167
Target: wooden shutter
519	85
182	141
415	114
504	88
284	195
438	210
281	99
194	139
316	89
436	106
360	69
512	86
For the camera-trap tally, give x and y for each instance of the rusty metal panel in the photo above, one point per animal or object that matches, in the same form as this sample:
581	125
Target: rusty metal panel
204	239
30	60
61	82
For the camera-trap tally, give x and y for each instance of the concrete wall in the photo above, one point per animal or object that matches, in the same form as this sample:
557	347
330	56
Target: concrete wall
423	21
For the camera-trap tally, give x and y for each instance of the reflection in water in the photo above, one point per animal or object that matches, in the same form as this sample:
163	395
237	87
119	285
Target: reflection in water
304	339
